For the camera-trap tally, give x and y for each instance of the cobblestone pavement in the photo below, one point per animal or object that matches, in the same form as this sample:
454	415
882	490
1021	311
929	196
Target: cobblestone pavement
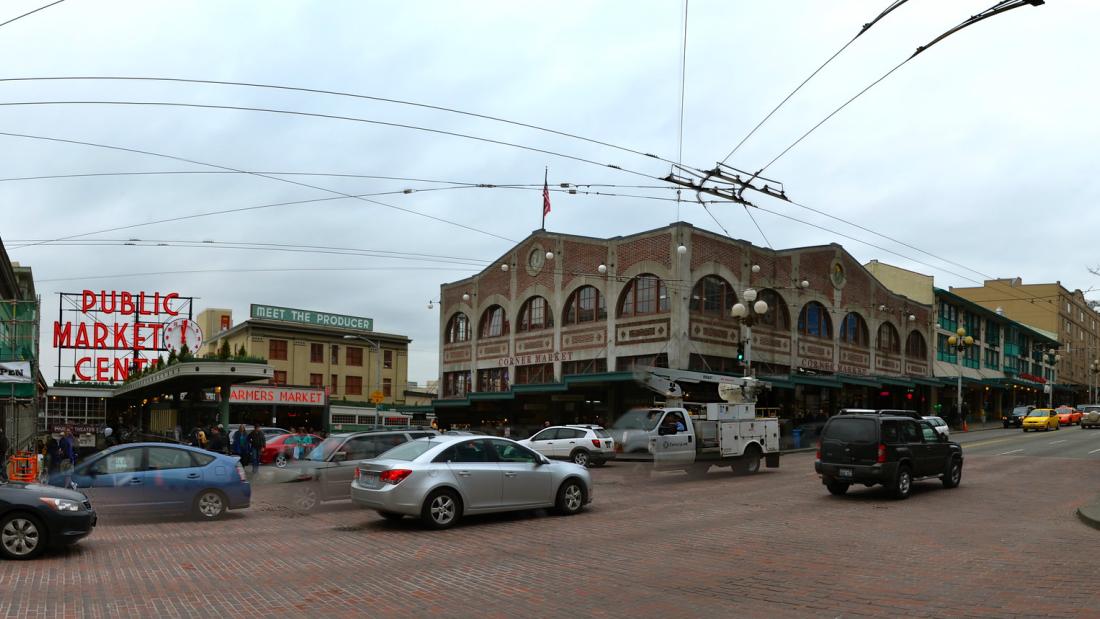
1004	544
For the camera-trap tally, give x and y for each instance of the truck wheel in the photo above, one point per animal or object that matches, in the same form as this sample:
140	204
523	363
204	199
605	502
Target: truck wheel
749	462
837	488
903	484
953	475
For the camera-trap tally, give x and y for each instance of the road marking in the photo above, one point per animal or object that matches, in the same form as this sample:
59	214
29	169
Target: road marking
1010	452
1093	451
988	442
1056	442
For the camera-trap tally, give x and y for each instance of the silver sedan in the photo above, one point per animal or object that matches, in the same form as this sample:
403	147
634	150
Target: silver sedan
444	478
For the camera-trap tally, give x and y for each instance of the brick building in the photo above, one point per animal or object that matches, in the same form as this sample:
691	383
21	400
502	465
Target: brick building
553	329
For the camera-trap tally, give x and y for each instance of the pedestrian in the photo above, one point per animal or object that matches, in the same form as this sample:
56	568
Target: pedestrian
53	456
546	424
306	442
217	441
3	455
294	441
256	444
68	456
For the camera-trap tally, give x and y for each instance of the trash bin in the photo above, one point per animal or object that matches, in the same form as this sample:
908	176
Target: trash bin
796	438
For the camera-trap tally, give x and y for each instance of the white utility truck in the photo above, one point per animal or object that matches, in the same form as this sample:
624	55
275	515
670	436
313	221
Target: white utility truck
719	434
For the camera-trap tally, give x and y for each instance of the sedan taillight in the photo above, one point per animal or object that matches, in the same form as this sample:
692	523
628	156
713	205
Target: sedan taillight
357	473
394	476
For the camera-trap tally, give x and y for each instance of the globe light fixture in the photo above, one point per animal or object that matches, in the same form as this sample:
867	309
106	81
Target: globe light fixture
750	295
465	296
760	307
739	310
756	268
504	267
549	255
682	249
804	284
602	269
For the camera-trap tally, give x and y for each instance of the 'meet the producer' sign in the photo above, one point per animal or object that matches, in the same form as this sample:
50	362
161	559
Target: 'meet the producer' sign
310	317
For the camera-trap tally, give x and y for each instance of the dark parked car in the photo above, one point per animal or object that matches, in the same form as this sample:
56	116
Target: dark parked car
1015	419
326	473
33	517
890	450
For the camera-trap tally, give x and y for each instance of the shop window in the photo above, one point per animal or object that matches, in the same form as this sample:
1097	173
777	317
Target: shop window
456	384
713	296
316	353
279	377
354	356
645	294
334	384
387	387
534	374
458	329
853	331
915	348
586	366
535	314
778	316
814	321
586	304
387	359
316	380
353	385
276	350
492	379
334	357
493	322
888	340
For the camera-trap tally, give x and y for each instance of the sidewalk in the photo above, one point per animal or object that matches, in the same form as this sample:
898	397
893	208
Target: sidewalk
1090	513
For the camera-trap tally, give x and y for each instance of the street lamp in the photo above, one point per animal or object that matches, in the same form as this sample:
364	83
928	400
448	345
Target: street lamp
960	342
747	317
1094	369
378	361
1051	358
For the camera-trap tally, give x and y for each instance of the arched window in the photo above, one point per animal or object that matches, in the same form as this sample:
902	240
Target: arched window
778	316
713	296
645	294
586	304
814	320
853	331
915	348
493	322
458	329
888	339
535	314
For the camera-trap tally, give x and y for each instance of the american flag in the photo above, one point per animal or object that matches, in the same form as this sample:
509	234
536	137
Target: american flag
545	196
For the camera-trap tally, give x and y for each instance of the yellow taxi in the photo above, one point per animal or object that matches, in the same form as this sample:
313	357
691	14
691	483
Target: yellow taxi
1041	419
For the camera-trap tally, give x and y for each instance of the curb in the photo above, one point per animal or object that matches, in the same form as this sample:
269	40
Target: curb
1090	514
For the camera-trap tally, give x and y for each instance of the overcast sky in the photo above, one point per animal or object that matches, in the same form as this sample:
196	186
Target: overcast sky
981	151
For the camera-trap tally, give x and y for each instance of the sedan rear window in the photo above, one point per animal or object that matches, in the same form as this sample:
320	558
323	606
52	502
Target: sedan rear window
409	451
850	430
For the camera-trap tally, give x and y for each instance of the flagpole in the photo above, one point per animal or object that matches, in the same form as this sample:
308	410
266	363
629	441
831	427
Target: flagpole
545	188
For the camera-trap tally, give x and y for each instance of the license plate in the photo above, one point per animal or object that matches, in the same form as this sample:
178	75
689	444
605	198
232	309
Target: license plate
607	443
844	472
370	479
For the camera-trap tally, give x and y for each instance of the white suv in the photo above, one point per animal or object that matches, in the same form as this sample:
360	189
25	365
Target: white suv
580	444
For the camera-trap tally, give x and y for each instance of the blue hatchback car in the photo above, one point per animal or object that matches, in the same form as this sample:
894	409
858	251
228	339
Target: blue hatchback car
159	477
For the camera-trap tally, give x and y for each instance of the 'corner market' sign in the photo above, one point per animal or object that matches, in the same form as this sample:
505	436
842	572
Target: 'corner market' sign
310	317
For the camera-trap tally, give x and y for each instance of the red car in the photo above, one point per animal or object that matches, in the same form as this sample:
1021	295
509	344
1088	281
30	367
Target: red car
279	453
1068	416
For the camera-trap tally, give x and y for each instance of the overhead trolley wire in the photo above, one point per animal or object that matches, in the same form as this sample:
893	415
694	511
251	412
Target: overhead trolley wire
29	13
865	28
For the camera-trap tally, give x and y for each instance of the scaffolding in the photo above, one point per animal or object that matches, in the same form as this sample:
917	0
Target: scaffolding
19	331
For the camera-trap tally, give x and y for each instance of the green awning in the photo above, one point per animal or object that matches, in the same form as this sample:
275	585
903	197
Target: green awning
920	380
896	381
816	381
862	381
778	382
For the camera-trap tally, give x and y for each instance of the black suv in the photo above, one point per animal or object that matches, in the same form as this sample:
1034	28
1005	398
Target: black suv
1016	417
891	450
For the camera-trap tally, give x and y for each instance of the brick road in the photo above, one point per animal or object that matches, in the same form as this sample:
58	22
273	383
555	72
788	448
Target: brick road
1004	544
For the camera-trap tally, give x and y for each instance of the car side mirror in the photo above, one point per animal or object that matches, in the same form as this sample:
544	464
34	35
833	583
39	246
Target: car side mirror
340	456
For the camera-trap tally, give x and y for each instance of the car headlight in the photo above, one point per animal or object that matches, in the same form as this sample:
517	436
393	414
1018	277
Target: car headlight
61	505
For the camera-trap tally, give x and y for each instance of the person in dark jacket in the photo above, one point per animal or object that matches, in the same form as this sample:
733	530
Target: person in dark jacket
217	440
256	442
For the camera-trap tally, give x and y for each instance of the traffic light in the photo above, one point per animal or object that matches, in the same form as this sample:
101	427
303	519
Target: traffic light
740	352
